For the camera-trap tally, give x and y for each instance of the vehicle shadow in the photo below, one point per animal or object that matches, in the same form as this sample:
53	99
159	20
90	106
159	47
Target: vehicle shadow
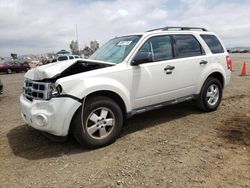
159	116
29	143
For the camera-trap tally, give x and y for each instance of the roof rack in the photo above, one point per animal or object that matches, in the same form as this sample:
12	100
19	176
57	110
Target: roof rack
178	28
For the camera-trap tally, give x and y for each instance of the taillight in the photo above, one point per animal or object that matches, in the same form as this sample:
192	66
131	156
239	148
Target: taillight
229	63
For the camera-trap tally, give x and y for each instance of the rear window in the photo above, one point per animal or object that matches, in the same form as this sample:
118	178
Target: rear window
62	58
188	46
71	57
213	43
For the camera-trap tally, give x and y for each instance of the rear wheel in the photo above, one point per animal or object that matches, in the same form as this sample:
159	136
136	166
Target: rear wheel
210	96
99	123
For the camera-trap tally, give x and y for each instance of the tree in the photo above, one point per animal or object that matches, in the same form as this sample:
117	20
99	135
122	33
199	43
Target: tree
87	52
14	56
74	48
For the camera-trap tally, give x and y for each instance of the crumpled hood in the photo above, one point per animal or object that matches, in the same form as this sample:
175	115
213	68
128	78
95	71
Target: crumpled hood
52	70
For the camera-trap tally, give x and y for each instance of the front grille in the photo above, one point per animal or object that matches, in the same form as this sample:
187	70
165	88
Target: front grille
36	90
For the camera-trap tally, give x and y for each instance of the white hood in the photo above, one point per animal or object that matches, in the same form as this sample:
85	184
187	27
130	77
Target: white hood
53	69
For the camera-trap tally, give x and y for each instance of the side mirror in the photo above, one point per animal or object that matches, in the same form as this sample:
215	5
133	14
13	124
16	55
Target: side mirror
142	57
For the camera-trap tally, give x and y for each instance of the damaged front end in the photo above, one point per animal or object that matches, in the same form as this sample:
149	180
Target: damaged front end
40	84
61	69
43	104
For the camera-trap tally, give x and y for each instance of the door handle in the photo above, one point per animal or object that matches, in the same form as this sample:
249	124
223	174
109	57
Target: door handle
168	69
203	62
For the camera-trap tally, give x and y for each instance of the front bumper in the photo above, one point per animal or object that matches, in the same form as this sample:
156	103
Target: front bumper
52	116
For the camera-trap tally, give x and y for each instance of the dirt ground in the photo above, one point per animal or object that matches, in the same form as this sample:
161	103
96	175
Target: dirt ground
176	146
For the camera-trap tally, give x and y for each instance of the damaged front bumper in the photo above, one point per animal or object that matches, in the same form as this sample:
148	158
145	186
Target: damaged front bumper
52	116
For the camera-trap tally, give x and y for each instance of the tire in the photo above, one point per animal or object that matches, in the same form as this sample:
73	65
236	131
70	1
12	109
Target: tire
210	96
9	71
99	124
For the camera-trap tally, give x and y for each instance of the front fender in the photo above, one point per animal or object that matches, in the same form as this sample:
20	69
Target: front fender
82	88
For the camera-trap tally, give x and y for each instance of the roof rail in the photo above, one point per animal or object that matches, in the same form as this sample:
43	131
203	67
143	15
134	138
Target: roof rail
178	28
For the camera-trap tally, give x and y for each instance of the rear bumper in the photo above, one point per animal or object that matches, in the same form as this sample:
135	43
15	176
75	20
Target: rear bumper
52	116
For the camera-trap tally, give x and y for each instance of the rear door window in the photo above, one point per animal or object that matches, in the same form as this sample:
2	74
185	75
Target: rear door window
187	46
213	43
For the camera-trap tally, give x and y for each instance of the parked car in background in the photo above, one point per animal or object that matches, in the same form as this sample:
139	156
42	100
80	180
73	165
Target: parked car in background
14	66
67	57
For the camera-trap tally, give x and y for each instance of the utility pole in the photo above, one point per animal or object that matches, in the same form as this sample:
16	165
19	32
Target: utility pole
77	38
76	34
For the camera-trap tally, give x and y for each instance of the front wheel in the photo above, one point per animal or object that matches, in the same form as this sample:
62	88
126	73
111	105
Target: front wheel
210	96
9	71
99	123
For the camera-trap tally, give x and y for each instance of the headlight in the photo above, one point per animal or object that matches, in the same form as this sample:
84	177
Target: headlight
55	90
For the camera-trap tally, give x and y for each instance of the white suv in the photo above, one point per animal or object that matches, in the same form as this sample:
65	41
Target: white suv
67	57
128	75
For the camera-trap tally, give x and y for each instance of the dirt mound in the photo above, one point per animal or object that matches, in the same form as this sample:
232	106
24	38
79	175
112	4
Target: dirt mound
236	129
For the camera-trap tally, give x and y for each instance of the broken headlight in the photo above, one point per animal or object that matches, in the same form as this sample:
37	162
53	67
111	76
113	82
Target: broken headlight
54	90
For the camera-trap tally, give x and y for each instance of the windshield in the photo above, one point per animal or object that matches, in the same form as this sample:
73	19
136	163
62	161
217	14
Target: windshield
116	50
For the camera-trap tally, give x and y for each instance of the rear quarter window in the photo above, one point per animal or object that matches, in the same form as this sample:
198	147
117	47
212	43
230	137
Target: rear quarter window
213	43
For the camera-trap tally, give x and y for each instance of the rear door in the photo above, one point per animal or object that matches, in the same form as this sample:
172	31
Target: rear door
191	61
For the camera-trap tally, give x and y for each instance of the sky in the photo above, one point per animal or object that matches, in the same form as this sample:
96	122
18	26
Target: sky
42	26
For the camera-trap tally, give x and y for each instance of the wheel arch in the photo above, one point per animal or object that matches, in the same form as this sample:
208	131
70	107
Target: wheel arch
218	76
214	74
107	93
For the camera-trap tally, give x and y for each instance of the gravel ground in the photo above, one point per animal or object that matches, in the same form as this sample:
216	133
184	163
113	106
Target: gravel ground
177	146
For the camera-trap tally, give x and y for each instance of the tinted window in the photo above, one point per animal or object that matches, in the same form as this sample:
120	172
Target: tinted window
160	47
62	58
213	43
187	46
71	57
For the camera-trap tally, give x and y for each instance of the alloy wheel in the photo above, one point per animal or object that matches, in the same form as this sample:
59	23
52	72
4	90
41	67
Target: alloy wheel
213	94
100	123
